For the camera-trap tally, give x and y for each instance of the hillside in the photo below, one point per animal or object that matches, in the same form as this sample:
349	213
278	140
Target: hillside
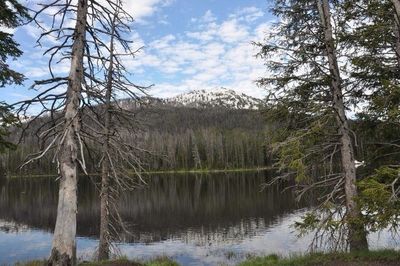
191	131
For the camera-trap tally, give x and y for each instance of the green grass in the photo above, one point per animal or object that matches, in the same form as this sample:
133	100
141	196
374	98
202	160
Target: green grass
158	261
121	261
379	257
375	258
31	263
161	261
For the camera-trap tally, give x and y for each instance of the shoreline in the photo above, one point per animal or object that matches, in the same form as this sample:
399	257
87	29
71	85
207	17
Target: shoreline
383	257
166	172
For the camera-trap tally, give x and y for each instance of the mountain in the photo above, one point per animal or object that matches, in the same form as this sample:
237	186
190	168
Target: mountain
174	133
199	99
215	98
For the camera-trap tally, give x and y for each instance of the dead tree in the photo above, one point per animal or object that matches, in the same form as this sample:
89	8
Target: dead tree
68	101
64	245
120	160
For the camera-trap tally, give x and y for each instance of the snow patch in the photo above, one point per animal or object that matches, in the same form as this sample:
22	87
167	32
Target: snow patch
220	97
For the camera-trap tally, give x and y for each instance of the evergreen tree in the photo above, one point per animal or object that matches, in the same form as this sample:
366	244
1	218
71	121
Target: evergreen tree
308	90
12	14
375	59
6	119
375	41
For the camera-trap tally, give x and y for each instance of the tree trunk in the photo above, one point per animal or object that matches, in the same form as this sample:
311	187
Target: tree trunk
357	237
64	245
104	241
396	4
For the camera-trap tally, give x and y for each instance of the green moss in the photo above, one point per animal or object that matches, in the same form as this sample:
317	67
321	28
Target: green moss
380	257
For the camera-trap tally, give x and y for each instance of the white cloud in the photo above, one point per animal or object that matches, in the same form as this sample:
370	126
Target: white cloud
232	31
139	9
36	72
213	54
207	18
249	14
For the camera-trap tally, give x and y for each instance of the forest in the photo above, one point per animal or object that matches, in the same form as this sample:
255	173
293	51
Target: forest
326	131
174	138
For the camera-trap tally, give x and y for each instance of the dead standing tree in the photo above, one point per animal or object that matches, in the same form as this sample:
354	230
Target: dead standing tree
120	160
65	100
69	143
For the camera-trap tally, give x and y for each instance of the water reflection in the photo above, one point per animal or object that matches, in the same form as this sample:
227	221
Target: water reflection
198	207
197	219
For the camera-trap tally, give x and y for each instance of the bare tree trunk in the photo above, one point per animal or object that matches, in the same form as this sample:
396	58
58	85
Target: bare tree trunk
357	235
396	4
64	245
104	242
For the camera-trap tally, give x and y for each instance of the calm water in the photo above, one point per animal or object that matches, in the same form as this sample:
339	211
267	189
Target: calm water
195	219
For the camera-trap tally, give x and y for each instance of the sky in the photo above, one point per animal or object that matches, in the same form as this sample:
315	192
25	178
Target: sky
187	45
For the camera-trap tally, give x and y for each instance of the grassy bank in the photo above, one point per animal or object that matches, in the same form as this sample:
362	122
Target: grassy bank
369	258
161	261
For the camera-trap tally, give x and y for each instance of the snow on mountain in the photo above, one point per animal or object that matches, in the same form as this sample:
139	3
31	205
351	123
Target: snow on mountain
214	98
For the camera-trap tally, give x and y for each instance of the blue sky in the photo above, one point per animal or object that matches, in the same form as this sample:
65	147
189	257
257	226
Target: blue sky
188	45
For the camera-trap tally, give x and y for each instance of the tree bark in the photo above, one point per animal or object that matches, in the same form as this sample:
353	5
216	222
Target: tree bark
104	241
396	5
64	243
357	237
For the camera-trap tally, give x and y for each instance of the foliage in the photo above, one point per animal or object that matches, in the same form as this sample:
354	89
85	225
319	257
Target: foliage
6	119
378	257
304	131
376	69
225	138
309	121
12	14
379	201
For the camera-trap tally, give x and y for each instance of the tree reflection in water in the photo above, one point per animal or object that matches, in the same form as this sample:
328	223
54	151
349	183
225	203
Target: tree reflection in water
200	209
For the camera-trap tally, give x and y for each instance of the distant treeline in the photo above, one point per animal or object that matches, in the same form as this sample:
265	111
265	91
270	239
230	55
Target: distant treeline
183	138
172	138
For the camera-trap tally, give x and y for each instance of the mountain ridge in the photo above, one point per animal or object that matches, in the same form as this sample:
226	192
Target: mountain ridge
220	97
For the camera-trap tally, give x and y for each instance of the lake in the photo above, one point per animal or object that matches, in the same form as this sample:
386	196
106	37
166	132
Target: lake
194	219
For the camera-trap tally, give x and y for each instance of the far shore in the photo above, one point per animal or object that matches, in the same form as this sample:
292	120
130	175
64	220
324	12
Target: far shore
161	172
